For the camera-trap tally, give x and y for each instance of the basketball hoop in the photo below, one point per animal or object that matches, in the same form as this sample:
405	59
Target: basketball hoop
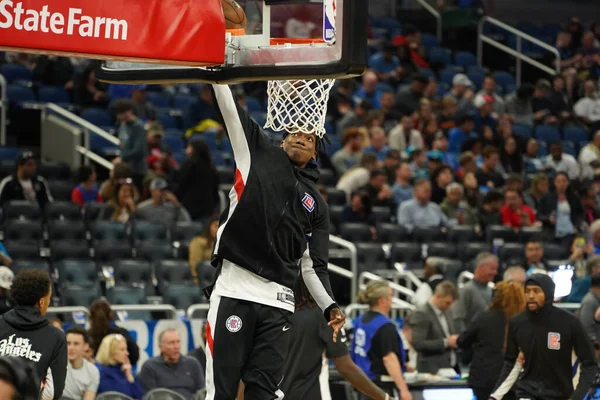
298	105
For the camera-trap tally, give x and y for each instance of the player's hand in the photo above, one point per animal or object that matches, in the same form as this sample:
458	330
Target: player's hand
337	319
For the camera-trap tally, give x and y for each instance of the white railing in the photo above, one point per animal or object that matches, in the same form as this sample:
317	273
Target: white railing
354	309
408	275
68	310
369	276
196	307
436	14
87	128
3	107
353	262
481	38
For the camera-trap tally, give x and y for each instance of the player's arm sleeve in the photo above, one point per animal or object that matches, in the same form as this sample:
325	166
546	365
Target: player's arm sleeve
587	360
58	366
511	368
314	263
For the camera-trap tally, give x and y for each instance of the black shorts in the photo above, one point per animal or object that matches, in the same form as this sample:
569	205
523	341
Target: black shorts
246	341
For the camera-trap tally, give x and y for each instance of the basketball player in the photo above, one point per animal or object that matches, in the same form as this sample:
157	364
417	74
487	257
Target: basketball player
276	222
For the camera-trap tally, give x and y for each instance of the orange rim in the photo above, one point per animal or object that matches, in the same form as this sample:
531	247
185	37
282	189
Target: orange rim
237	32
277	41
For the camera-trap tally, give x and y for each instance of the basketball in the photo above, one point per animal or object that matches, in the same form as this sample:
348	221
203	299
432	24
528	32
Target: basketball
235	17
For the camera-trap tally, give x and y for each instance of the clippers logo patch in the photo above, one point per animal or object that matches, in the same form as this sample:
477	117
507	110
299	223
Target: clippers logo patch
308	202
233	323
553	341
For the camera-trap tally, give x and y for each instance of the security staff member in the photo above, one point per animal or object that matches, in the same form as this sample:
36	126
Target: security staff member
547	336
310	338
376	346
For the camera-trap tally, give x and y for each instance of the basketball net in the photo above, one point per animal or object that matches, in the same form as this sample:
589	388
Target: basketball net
298	105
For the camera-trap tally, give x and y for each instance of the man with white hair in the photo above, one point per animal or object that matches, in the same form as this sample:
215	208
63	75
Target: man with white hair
171	370
369	90
476	295
456	209
463	93
515	273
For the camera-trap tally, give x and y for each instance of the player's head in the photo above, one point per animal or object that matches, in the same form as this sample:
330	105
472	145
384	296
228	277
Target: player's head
32	288
539	292
300	147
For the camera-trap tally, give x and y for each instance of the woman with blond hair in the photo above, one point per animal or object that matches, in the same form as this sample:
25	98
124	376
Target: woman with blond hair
116	374
488	341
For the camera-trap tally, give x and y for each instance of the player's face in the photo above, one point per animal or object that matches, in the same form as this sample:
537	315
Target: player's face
300	147
535	297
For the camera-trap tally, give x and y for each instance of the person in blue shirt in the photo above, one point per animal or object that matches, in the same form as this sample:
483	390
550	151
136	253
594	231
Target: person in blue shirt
385	64
4	257
377	145
463	131
377	347
86	191
582	286
116	373
369	90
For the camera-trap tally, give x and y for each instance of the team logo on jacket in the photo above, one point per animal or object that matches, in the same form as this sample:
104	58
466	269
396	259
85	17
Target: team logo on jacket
308	202
553	341
233	324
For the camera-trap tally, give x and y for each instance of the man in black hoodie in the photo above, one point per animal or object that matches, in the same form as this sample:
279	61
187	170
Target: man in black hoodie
548	337
25	333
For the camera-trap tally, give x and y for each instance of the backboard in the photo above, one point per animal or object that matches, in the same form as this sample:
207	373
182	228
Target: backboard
283	40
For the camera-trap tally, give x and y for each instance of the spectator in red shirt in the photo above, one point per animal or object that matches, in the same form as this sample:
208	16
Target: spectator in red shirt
514	213
86	191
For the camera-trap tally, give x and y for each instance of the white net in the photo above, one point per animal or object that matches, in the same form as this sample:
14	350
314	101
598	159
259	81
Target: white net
298	105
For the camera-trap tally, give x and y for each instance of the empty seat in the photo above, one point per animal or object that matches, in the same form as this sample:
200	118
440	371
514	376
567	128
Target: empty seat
335	196
145	230
356	232
108	251
576	134
452	268
23	230
153	250
461	234
54	170
66	249
134	273
371	257
465	59
504	78
206	274
335	215
22	209
428	234
186	231
477	77
21	264
406	253
53	94
97	116
23	250
547	133
124	294
181	296
525	131
389	233
63	210
158	99
505	233
15	72
77	272
19	94
382	214
439	55
73	295
468	251
108	230
555	252
445	250
66	230
61	190
510	252
170	272
429	41
93	210
527	233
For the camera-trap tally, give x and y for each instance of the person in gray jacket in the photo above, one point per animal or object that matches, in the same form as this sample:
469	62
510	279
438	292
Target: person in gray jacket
134	148
589	305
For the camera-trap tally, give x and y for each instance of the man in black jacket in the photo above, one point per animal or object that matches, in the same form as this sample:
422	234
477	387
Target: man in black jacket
25	184
548	337
25	333
276	222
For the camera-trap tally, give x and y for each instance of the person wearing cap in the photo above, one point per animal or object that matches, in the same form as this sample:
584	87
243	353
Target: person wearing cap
489	89
464	130
548	336
541	105
162	206
25	184
6	279
462	91
132	135
409	97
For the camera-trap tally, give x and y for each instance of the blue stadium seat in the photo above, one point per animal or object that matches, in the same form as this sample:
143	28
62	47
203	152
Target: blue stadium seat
427	72
53	94
575	134
542	149
79	295
108	230
253	105
174	143
167	120
465	59
66	230
504	78
181	296
70	249
97	116
19	94
9	153
30	264
551	30
529	28
510	88
525	131
170	272
569	148
259	117
146	230
442	89
547	133
77	272
218	159
174	132
125	294
186	231
439	55
182	101
180	156
101	145
446	76
476	77
429	41
158	99
13	72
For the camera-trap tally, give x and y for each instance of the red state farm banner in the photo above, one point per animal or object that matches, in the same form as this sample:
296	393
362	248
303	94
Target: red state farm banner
190	32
